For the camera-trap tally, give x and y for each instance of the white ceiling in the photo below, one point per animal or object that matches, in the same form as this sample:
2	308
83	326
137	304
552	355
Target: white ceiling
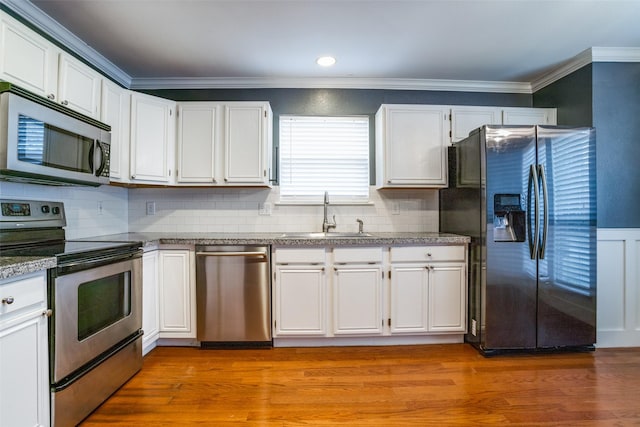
470	40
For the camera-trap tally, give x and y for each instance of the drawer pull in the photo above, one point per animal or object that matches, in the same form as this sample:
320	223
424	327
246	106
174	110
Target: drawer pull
8	300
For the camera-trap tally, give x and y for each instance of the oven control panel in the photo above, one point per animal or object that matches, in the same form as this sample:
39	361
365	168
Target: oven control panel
31	214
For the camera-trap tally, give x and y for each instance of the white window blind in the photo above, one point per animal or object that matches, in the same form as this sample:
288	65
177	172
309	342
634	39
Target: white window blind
319	154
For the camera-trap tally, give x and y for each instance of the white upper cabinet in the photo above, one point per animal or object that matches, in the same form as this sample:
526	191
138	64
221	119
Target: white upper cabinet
152	139
247	143
529	116
115	111
224	143
27	59
466	119
411	145
197	128
37	65
78	86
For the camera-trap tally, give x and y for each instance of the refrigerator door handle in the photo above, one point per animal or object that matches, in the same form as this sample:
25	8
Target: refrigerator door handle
533	235
545	219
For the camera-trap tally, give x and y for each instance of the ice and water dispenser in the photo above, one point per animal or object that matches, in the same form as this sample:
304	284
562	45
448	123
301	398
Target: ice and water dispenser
509	222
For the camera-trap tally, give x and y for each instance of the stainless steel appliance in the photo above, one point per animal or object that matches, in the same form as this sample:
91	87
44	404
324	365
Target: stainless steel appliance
46	143
95	296
527	197
233	296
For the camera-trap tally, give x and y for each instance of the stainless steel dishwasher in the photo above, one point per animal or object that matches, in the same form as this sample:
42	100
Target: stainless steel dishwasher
233	296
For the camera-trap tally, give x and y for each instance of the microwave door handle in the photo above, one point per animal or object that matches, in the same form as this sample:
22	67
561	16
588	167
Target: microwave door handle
91	152
102	162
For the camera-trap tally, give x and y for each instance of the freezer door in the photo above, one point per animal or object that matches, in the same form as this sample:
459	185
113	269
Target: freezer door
509	294
567	251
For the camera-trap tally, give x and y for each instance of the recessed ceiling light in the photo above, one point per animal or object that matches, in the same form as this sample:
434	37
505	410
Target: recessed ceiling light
326	61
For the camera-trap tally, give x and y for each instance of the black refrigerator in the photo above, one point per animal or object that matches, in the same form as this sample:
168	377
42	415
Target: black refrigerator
526	195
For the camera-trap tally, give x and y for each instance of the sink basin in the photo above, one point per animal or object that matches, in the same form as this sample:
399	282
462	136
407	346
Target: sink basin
329	235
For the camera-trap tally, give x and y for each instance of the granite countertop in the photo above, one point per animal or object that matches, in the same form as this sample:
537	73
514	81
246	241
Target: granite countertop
15	266
152	239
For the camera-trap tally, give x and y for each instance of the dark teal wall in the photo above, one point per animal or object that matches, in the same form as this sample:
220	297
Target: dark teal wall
571	96
606	96
616	117
341	102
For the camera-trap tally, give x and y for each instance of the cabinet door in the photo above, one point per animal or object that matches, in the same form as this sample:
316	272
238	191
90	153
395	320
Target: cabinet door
466	119
411	143
409	298
300	301
150	315
528	116
246	142
196	142
115	111
177	294
24	389
357	300
79	86
152	138
447	297
27	59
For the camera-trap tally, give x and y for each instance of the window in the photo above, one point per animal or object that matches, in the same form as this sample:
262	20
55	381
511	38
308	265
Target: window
319	154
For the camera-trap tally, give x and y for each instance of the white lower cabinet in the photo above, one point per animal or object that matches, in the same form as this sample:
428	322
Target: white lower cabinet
428	289
150	313
300	292
177	297
409	290
357	291
24	372
371	291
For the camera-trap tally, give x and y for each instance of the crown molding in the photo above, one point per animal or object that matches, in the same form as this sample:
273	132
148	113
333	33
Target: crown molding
71	42
330	83
586	57
67	39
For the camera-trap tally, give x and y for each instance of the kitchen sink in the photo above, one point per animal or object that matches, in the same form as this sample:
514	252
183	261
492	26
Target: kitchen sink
328	235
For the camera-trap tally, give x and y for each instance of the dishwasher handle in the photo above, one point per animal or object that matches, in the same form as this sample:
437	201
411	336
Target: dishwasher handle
241	254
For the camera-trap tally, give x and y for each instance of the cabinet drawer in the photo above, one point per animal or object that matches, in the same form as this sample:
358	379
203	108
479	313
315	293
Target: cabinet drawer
25	292
353	255
428	253
301	256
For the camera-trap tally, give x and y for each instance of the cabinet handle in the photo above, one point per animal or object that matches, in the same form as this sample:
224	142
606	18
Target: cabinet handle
8	300
51	96
47	313
65	102
429	254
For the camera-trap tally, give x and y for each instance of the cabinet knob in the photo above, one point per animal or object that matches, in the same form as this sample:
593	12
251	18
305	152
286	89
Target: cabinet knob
429	254
47	313
51	96
65	102
8	300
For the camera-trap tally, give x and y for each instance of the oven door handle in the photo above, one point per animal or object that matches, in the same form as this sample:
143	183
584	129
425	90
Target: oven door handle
99	260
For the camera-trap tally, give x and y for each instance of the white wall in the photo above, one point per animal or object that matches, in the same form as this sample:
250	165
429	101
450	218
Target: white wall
618	287
231	210
81	206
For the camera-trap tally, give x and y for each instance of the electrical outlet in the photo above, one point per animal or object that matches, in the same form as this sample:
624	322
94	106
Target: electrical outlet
151	208
264	209
395	208
100	207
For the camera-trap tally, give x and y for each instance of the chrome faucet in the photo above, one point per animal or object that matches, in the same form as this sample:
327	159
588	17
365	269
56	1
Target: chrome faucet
326	225
360	225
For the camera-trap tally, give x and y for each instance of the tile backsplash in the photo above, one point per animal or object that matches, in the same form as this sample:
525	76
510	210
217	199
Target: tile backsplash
81	205
244	210
225	210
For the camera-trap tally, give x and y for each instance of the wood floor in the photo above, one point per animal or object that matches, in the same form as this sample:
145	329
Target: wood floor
443	385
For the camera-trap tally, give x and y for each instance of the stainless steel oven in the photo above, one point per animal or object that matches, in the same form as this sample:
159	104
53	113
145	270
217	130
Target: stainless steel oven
97	314
95	296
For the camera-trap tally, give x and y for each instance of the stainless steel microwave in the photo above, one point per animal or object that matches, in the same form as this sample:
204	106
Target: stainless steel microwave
45	143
